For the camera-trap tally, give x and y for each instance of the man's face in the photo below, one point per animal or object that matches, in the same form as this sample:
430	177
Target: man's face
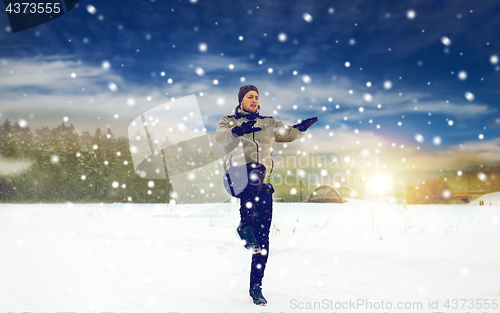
250	102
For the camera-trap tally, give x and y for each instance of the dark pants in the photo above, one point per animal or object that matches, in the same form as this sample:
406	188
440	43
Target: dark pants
258	213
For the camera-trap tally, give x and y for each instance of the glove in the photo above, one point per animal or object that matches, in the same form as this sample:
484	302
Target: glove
245	128
305	124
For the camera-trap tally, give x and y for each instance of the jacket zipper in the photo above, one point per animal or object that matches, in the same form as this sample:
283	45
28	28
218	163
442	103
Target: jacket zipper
257	146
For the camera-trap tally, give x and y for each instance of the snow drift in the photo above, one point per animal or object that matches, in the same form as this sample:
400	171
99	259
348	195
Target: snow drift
186	258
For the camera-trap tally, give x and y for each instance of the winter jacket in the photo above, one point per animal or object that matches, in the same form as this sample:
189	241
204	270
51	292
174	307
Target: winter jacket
257	147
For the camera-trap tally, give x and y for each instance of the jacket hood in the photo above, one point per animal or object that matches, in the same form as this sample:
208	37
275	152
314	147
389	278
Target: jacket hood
250	116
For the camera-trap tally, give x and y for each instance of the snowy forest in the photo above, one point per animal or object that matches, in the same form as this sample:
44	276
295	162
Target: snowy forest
60	165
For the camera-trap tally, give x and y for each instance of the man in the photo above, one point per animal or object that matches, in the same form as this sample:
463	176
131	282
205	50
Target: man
256	134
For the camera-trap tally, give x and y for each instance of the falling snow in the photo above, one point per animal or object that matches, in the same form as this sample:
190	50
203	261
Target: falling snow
307	17
199	71
469	96
446	41
202	47
91	9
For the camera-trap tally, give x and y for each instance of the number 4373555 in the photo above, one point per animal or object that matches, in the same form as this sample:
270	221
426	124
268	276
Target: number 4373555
39	8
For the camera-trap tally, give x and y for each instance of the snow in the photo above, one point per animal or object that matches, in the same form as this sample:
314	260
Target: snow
490	199
113	87
469	96
419	138
186	258
462	75
446	41
494	59
22	123
307	17
91	9
106	65
202	47
282	37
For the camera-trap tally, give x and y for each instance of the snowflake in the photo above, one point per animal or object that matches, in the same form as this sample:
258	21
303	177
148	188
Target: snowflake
481	176
462	75
22	123
307	17
202	47
113	87
469	96
419	138
199	71
91	9
106	65
446	41
306	79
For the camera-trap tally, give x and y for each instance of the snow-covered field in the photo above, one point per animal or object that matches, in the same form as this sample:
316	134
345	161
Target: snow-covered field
354	257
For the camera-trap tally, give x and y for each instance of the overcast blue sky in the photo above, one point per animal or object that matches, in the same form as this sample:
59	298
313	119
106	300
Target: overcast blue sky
377	73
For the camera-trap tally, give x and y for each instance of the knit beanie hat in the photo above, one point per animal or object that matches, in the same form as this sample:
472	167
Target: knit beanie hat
244	90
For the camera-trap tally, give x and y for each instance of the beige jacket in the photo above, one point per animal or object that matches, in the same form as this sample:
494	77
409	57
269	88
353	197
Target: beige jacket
256	147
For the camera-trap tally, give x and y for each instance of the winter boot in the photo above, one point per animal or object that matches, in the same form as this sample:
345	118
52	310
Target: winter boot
246	234
256	294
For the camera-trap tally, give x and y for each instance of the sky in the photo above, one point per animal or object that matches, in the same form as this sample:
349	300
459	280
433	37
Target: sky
414	83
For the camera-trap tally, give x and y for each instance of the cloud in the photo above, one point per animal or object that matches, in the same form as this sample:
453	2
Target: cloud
211	64
451	158
53	90
53	74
